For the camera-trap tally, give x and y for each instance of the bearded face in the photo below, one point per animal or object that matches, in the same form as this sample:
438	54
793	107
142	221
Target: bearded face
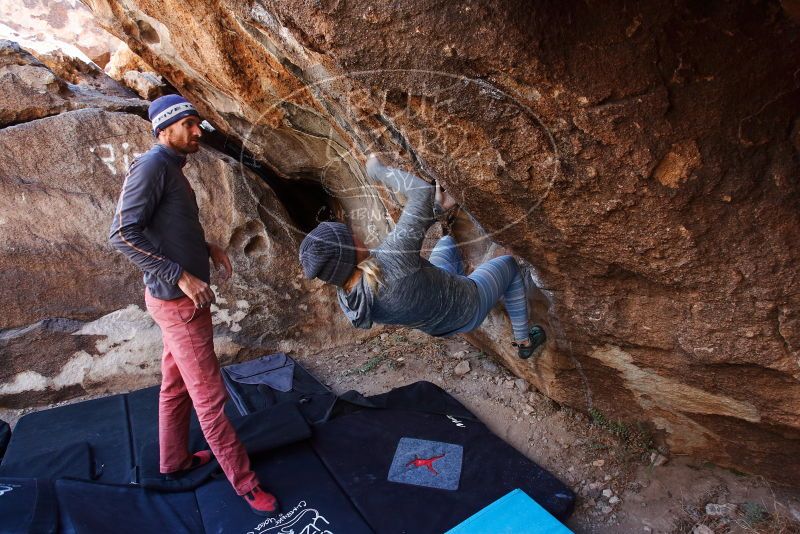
183	135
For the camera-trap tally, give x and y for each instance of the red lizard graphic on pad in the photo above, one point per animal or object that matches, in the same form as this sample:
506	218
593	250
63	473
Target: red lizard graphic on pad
427	462
442	462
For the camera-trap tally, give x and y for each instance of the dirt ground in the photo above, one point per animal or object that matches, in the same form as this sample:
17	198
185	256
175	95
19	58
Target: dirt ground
610	466
623	484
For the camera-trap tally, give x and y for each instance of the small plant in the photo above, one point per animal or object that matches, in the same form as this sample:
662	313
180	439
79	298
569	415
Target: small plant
736	472
639	439
597	417
617	428
754	512
371	364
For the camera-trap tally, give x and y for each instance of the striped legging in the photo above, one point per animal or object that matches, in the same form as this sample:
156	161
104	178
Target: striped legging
497	278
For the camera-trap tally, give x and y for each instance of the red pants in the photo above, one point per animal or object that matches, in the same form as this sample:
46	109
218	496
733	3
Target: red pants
190	375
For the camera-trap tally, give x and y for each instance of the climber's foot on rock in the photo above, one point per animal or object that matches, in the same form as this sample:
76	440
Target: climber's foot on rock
536	339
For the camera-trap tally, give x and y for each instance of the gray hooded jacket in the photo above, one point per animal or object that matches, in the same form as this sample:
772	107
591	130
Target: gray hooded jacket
414	292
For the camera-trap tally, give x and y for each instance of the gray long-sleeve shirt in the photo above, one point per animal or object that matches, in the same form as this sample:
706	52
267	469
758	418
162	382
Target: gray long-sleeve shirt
414	293
157	223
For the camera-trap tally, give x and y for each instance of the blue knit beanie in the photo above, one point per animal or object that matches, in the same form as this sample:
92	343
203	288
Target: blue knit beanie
168	109
328	253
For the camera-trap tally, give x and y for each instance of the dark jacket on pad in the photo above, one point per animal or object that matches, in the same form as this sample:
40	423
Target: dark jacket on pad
157	223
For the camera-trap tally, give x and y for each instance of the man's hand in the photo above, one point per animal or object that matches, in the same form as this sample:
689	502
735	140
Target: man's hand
196	289
443	198
221	260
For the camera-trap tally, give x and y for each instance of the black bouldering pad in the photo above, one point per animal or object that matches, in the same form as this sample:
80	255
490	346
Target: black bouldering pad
91	508
27	505
69	460
5	437
310	499
101	423
359	448
115	429
338	480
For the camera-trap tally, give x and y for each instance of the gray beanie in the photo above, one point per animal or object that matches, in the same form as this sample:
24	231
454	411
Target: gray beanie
328	253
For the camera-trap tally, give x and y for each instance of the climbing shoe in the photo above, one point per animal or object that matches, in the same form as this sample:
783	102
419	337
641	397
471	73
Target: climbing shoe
262	503
537	337
199	459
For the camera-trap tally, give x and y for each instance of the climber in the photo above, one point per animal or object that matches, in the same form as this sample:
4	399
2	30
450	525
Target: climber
393	284
157	226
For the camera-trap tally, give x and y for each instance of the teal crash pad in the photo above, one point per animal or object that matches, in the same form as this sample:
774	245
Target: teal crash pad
514	513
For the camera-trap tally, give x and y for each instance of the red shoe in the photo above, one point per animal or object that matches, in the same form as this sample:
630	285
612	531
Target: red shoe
262	503
199	458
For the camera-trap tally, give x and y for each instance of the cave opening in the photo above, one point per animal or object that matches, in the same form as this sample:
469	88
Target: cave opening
304	198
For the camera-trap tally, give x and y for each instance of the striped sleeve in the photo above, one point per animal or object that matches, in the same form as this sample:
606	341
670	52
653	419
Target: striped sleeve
141	193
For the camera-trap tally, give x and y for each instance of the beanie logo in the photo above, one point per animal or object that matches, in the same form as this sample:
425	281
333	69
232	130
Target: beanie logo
171	112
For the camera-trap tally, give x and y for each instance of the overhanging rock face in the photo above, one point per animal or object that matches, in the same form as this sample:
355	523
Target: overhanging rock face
642	160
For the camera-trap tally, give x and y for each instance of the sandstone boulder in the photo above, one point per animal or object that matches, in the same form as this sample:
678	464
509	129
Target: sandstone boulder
146	84
131	70
30	90
51	25
642	160
85	75
124	60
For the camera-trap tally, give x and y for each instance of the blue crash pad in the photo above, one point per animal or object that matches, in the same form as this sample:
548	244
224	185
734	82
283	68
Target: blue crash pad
514	513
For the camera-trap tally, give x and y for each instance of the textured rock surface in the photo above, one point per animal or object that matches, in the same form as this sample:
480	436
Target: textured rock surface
30	90
146	84
123	60
86	75
643	160
130	70
50	25
73	318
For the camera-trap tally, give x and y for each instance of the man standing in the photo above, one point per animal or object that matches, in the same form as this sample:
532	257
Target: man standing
157	226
